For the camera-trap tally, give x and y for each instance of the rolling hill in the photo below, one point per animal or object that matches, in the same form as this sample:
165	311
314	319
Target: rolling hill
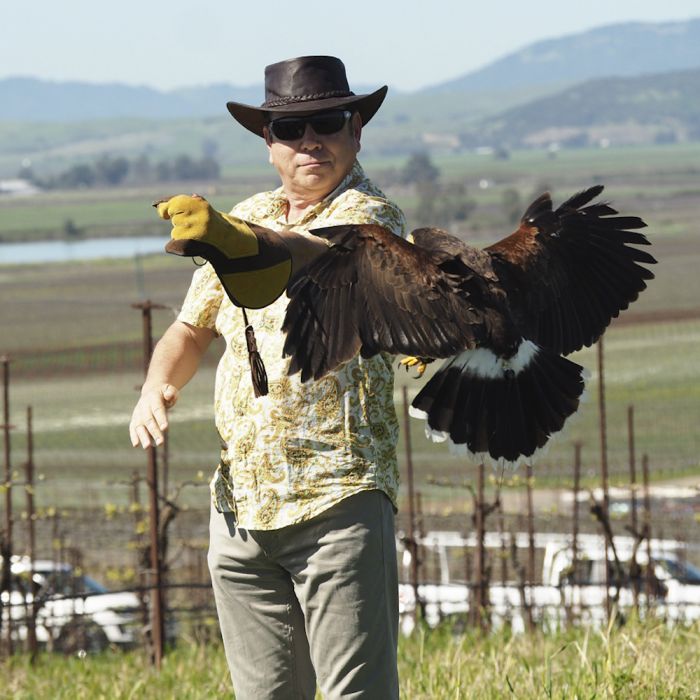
661	108
623	50
620	83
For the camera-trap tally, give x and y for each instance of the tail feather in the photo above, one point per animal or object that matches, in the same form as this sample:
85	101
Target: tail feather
449	390
543	404
500	430
524	428
505	415
556	380
466	403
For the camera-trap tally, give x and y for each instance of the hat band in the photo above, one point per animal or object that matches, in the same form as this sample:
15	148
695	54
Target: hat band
291	99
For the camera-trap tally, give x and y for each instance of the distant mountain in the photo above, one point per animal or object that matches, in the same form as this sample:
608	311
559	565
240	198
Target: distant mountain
30	99
646	109
614	50
620	83
663	107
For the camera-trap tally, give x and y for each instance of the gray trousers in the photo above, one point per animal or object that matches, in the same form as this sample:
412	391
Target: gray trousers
315	601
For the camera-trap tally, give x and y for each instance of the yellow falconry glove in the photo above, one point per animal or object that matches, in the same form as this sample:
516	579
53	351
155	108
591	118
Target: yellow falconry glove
252	262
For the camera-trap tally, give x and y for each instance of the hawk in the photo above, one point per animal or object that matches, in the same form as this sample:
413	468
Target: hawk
503	317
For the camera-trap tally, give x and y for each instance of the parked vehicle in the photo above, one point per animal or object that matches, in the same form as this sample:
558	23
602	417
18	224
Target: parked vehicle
73	612
564	587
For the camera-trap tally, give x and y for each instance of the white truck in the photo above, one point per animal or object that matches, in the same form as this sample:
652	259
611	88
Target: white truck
563	590
74	612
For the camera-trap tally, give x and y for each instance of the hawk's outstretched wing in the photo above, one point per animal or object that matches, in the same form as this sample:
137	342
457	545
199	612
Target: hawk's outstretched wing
568	272
372	292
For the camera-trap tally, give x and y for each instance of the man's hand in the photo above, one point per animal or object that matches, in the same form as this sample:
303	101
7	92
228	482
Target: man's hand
150	420
252	262
194	219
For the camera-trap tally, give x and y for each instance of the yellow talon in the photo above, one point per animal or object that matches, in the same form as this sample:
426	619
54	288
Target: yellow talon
417	362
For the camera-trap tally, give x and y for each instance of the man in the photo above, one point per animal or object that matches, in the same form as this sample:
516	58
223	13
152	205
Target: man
302	552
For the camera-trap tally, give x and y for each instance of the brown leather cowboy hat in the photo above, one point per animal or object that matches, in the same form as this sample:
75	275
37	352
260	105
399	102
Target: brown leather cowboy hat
305	85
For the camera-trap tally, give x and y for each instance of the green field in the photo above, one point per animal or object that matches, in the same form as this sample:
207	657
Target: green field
74	337
660	183
109	212
80	419
74	343
82	400
628	663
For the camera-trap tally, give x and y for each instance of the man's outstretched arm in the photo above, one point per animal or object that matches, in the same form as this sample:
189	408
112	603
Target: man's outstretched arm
175	360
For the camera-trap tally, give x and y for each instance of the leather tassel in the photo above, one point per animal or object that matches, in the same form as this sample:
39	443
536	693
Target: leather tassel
257	368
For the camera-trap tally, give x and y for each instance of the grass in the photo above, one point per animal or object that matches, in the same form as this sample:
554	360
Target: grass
639	660
123	211
82	404
82	450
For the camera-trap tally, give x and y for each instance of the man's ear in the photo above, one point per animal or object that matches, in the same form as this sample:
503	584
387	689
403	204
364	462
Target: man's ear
357	129
268	142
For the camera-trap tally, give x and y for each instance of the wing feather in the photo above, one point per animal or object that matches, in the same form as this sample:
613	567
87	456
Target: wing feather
372	292
568	272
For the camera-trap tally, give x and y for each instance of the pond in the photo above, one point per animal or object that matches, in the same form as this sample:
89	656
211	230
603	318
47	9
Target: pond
88	249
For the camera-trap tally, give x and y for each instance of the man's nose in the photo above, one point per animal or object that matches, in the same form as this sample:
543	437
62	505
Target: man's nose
310	140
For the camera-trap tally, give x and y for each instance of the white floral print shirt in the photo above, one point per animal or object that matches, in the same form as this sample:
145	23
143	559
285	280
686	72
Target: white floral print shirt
301	449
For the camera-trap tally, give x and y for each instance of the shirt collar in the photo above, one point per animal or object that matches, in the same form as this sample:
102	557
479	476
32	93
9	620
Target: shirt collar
278	205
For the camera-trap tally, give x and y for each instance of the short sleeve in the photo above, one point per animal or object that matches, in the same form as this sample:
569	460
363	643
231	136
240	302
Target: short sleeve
203	299
355	207
387	214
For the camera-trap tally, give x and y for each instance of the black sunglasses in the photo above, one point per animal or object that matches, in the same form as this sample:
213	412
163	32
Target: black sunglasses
323	123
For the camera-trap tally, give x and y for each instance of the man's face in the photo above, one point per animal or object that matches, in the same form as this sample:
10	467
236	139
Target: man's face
313	165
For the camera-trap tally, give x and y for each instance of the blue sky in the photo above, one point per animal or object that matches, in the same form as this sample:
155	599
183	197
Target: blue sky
172	43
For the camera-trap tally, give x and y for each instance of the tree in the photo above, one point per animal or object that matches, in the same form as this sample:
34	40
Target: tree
442	206
70	230
111	171
419	170
186	168
457	205
141	169
512	205
210	148
425	213
164	171
78	176
27	173
209	168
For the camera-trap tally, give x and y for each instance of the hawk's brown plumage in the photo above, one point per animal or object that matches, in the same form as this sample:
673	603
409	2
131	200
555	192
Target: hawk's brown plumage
502	315
569	272
372	292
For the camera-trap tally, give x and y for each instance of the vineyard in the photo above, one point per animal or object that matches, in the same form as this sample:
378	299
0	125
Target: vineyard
79	492
77	498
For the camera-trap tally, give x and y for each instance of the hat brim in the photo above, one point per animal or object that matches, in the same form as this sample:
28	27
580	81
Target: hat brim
255	118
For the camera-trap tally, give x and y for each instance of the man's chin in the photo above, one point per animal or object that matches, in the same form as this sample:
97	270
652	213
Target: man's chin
316	177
